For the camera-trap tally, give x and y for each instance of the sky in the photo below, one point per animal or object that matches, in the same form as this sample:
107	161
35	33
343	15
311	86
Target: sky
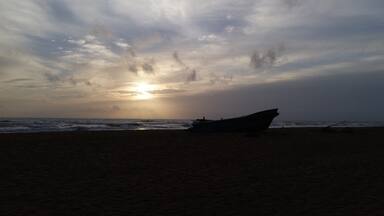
314	60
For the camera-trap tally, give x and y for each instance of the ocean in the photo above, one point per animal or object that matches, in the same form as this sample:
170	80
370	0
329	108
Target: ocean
21	125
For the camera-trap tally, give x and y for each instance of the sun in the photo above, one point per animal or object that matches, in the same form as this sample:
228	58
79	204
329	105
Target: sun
143	91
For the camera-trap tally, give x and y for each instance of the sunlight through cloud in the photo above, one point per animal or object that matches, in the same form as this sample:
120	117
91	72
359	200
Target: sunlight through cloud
143	91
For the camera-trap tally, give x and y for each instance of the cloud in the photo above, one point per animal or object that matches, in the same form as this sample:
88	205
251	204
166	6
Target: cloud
132	68
127	92
192	76
225	79
167	91
122	44
31	86
292	3
17	80
89	50
265	59
208	38
132	52
259	60
148	67
176	57
66	78
229	28
77	42
53	77
100	30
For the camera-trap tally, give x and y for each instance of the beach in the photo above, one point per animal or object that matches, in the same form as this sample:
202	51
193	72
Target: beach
291	171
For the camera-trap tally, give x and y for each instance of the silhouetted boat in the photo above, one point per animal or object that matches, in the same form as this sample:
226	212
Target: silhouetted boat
251	123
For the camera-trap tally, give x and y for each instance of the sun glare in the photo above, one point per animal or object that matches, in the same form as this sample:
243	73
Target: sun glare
143	91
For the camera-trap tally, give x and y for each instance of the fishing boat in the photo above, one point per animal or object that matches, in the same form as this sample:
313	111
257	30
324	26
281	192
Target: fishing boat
251	123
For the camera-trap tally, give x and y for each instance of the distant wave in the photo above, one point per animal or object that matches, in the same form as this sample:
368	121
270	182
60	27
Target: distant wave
19	125
51	125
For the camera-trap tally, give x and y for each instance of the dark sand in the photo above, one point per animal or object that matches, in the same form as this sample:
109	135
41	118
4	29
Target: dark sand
279	172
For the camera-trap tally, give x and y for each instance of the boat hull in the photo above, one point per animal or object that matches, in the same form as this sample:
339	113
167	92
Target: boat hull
252	123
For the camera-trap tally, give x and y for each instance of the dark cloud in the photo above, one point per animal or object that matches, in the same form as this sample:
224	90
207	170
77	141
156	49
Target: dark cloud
31	86
17	80
167	91
60	78
67	78
69	95
132	63
176	57
147	67
192	76
52	77
265	59
127	92
257	60
132	52
133	68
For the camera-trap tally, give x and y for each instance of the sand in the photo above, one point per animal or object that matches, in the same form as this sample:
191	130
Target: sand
279	172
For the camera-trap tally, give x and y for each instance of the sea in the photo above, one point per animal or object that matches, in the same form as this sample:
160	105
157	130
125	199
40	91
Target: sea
30	125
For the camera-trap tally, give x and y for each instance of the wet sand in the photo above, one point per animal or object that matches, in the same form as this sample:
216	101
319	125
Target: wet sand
278	172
